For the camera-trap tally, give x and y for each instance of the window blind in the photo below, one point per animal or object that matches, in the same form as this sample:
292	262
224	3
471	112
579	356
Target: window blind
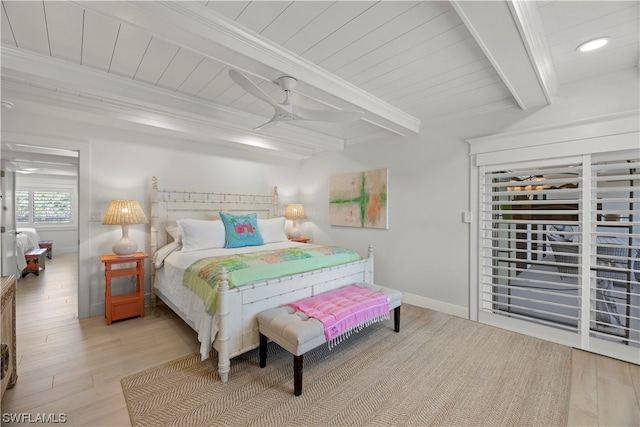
615	248
43	207
51	207
22	206
531	240
560	250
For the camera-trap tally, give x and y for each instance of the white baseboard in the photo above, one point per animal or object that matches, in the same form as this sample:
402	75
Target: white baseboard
64	250
443	307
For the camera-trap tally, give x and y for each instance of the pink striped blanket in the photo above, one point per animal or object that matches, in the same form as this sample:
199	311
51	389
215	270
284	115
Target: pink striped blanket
345	309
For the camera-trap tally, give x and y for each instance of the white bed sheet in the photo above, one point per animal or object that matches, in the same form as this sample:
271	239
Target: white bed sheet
26	239
32	235
23	244
189	306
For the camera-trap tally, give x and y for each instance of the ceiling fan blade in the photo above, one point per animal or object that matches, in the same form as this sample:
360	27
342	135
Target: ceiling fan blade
266	125
287	111
246	84
271	122
328	116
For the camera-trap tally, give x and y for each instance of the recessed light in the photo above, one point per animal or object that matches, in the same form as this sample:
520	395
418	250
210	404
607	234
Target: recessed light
593	44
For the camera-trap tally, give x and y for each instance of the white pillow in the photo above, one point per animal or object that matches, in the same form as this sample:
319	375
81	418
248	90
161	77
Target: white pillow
200	234
174	232
163	252
272	230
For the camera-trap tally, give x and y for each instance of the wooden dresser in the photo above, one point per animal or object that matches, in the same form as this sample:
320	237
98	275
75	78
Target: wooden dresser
9	369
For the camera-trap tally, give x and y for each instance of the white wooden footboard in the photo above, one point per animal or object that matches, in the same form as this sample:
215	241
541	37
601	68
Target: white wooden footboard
238	307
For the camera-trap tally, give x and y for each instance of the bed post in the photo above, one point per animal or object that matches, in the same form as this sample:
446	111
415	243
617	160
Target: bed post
223	332
153	244
370	256
274	204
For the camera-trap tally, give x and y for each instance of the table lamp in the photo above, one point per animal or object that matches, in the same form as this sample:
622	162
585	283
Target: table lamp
294	211
124	213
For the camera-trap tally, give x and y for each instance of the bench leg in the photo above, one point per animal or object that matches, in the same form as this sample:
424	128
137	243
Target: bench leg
263	351
297	375
33	266
396	319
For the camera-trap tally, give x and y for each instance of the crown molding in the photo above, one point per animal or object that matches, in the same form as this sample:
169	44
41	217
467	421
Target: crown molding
622	123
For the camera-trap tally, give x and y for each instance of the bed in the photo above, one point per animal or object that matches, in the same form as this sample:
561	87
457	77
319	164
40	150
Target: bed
226	323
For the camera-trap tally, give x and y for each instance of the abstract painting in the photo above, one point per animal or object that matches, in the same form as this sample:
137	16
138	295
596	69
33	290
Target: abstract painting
359	199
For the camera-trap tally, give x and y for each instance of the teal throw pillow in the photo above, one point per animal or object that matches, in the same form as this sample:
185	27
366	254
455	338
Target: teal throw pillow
241	230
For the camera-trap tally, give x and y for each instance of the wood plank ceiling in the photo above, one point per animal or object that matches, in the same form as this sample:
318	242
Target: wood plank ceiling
165	64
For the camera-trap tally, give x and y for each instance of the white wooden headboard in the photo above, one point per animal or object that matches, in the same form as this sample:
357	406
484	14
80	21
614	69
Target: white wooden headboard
169	205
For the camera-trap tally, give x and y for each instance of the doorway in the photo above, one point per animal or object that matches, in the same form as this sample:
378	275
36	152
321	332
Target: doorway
50	165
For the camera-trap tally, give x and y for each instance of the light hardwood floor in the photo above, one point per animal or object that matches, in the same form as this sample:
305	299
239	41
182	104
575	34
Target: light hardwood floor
73	367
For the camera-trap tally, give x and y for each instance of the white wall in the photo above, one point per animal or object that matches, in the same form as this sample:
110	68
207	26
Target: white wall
425	251
123	170
119	164
420	253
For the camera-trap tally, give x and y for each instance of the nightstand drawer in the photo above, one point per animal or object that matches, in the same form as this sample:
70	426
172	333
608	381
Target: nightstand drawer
125	306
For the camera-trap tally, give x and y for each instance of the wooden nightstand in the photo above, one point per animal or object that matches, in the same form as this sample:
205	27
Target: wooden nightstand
301	239
125	305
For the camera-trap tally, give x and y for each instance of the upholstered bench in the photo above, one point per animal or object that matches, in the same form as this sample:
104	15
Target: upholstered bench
297	333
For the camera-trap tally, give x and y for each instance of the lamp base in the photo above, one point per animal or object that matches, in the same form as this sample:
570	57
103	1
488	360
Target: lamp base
124	247
294	233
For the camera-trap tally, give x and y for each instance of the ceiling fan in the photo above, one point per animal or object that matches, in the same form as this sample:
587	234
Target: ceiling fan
286	111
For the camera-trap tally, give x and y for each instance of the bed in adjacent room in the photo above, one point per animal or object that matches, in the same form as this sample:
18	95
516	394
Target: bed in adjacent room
221	258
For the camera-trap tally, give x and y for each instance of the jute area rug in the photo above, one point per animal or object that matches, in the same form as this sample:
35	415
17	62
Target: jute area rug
439	370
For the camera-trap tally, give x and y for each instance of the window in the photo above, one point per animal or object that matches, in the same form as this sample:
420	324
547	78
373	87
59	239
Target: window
531	238
560	249
556	246
44	207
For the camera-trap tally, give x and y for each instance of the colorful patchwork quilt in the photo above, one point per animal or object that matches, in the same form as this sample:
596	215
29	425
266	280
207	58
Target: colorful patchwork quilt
203	275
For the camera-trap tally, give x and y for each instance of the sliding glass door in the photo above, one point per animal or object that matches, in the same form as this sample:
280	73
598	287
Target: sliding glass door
559	251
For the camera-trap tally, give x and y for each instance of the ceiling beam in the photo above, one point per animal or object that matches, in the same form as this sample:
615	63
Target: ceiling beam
512	37
69	86
204	31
